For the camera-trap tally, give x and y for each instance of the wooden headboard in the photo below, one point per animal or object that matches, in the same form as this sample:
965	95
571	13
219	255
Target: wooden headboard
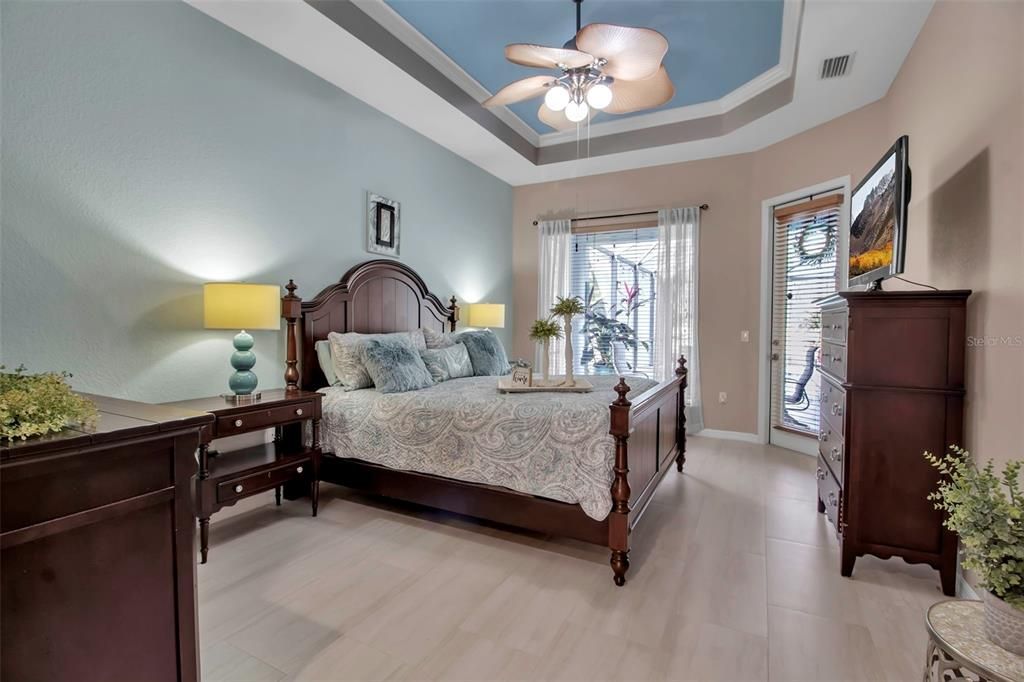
374	297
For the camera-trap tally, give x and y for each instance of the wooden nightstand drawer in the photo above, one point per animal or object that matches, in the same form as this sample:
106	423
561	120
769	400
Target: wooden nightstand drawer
831	449
833	359
245	485
833	326
830	494
256	418
833	406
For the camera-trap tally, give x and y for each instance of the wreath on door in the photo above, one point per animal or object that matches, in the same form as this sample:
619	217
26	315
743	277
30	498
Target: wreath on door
816	243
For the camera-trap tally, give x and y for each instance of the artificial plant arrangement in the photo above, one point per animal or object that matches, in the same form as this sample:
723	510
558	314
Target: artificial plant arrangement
567	308
543	331
986	510
35	404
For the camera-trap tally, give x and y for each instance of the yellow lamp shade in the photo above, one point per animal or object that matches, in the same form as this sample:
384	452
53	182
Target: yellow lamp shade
230	305
486	315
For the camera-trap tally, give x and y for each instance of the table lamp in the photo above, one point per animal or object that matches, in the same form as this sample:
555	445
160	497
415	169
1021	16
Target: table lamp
486	315
230	305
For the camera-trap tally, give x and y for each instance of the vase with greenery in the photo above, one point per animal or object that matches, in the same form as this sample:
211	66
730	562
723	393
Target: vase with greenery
543	331
567	308
986	509
36	404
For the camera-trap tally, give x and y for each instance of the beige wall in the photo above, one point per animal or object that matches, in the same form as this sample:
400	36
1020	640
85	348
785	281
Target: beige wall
959	97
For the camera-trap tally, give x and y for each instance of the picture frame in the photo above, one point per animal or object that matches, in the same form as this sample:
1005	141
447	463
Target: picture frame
383	225
521	377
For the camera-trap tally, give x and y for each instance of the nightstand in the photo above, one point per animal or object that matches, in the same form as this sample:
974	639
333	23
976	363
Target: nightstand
227	476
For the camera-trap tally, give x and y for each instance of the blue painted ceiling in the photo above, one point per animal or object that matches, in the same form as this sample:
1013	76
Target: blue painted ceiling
715	46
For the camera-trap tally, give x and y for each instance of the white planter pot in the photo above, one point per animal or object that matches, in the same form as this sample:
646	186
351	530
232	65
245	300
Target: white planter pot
567	327
1004	624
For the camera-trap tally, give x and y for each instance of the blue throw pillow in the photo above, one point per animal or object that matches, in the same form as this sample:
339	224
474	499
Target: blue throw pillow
395	366
486	353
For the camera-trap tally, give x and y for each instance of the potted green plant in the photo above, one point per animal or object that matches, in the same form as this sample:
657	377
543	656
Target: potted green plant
543	331
35	404
986	510
567	308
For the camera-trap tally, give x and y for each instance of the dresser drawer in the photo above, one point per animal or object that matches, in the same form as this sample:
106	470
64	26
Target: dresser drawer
832	450
833	326
833	406
245	485
833	359
261	419
830	493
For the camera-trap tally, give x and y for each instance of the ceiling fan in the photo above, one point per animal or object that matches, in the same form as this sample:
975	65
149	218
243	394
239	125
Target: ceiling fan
616	69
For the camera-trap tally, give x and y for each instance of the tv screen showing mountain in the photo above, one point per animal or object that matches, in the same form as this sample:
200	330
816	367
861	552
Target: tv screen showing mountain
873	221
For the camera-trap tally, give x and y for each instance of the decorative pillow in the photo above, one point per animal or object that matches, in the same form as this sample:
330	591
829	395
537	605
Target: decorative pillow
436	339
447	363
486	353
395	366
323	356
348	364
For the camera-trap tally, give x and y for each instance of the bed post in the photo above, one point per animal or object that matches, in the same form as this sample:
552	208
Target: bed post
291	309
453	316
683	374
618	519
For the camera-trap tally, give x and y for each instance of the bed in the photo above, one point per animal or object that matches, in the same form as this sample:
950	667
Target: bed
582	466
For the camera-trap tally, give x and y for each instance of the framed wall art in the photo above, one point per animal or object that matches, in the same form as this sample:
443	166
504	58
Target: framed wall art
383	225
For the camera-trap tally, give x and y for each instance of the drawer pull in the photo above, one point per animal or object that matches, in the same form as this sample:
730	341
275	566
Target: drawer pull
832	499
238	488
836	410
821	474
837	326
822	437
834	455
298	411
298	470
238	422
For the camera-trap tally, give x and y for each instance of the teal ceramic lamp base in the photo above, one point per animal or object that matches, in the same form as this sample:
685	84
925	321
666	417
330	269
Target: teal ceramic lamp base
243	381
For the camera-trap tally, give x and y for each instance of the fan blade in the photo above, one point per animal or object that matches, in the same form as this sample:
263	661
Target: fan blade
632	53
628	96
546	57
557	119
520	90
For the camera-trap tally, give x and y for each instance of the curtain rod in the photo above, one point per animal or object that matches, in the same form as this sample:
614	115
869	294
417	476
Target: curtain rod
702	207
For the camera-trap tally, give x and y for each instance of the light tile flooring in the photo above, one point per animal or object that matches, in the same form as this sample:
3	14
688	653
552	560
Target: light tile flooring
734	577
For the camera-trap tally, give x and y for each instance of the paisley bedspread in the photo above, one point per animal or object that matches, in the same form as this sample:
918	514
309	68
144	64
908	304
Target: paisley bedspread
553	445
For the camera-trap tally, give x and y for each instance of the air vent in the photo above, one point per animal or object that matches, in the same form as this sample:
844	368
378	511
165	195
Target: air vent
834	67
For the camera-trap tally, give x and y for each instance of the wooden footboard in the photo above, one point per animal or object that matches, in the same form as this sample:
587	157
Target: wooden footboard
649	434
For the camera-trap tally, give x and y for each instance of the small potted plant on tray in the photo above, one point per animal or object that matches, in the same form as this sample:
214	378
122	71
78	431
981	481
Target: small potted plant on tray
986	510
35	404
567	308
543	331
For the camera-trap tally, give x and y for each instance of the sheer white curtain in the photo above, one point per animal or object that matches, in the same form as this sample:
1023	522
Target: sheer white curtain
554	280
675	310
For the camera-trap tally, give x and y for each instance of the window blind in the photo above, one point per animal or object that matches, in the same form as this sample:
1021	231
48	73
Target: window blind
806	238
614	274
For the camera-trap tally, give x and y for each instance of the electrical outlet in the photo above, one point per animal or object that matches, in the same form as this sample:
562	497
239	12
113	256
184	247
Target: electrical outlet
722	397
745	336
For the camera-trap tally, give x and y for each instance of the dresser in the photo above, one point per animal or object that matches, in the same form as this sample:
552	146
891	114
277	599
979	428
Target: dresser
892	388
98	548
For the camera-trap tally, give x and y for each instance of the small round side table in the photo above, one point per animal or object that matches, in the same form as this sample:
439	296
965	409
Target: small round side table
959	650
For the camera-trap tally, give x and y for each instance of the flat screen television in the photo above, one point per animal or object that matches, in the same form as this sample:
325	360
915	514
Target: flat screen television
878	219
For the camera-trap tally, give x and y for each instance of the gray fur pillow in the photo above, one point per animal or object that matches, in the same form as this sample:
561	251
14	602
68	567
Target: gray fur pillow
395	366
348	364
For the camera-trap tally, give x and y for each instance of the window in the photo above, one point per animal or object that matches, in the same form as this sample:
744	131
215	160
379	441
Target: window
615	275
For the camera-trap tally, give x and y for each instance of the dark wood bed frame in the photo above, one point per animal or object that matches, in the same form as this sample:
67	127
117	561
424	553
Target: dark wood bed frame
386	296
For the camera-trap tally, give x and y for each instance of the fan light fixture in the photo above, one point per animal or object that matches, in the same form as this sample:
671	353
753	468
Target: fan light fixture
616	69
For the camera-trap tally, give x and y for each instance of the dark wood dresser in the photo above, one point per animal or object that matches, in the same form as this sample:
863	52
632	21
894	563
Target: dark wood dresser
98	548
893	387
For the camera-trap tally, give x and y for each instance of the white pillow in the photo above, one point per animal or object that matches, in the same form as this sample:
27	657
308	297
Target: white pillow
447	363
323	356
346	350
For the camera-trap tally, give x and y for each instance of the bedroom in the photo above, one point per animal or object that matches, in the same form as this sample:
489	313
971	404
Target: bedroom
152	148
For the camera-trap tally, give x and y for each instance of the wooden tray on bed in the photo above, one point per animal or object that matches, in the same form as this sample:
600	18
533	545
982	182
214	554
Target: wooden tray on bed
540	386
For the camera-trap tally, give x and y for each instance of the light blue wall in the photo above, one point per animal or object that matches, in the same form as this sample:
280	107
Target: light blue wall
148	149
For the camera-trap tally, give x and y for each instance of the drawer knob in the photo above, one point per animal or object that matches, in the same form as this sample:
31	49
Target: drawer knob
298	411
822	437
238	488
836	410
821	474
298	470
834	455
238	422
